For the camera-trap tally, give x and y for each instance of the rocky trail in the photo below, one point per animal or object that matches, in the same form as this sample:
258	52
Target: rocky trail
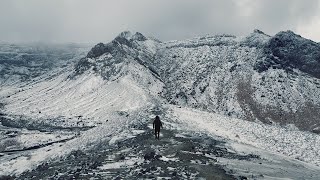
177	155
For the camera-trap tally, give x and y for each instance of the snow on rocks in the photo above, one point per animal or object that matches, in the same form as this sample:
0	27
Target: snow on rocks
296	144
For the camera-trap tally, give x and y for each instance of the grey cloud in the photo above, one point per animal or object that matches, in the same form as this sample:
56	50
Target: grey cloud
275	15
99	20
29	20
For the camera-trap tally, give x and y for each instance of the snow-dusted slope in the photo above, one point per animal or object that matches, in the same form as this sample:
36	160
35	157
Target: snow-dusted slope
211	82
100	83
87	95
257	77
280	150
70	102
290	142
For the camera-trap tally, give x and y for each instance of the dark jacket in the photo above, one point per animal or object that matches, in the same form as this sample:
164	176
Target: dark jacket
157	123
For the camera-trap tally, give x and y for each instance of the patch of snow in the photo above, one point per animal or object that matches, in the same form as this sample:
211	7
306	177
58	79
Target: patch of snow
163	158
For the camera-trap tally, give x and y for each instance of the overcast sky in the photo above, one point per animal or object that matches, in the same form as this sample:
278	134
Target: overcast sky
95	21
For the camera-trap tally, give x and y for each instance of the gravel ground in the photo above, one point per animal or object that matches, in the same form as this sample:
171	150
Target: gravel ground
177	155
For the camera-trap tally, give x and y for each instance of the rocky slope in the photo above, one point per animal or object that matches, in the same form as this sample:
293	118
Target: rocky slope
258	77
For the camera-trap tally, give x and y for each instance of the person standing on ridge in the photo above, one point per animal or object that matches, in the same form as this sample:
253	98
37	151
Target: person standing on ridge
156	126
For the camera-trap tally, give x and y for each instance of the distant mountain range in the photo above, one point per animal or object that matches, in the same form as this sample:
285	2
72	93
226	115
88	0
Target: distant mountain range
24	62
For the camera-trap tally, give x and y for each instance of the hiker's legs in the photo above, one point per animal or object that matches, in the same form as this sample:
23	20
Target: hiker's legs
155	133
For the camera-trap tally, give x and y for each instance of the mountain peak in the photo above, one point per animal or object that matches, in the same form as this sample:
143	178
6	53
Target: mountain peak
129	36
125	34
97	50
287	34
289	50
258	31
139	37
256	39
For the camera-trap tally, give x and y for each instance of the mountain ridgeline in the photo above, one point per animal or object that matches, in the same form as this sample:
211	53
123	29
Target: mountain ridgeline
272	79
25	62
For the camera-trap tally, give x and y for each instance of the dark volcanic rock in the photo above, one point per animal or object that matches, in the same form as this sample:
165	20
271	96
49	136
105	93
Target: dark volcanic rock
139	37
149	155
288	50
122	40
7	177
98	50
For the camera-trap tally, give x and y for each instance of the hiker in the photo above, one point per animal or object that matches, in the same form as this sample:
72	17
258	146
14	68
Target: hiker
156	126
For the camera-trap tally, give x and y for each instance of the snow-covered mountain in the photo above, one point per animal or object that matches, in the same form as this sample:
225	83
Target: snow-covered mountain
257	77
241	106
